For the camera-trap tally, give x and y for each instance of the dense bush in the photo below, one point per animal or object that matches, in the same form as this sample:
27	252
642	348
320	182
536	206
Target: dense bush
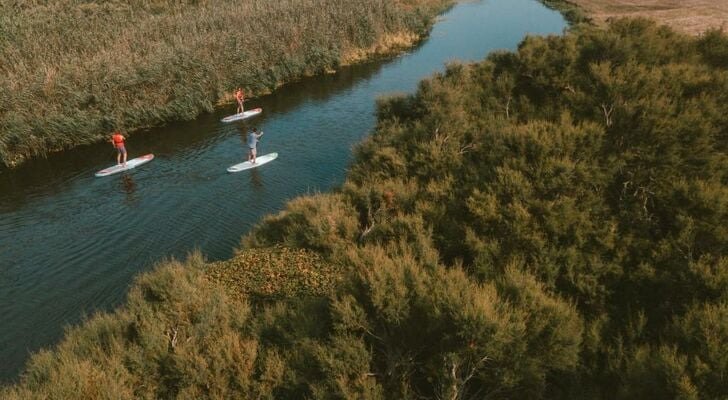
549	223
73	70
177	336
595	165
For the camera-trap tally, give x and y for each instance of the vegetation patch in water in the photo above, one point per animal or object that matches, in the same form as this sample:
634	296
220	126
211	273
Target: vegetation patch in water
276	272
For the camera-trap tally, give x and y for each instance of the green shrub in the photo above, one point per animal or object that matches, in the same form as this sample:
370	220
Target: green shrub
590	166
323	223
177	336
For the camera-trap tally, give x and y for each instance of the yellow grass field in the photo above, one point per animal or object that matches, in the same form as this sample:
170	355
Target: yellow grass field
690	16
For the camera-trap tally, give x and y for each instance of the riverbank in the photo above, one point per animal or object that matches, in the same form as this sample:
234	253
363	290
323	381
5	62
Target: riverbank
693	17
120	65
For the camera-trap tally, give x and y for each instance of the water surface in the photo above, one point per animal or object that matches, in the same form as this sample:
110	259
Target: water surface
71	243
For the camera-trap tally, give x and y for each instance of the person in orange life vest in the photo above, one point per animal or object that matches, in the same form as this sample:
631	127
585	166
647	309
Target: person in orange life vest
240	97
117	139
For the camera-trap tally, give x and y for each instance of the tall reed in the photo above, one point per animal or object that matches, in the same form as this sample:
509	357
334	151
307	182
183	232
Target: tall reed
72	70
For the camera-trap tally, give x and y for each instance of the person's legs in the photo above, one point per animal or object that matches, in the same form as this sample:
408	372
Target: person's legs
253	151
118	156
124	151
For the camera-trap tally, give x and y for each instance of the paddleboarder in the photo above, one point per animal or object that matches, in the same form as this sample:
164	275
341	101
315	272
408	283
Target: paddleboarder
117	139
253	138
240	97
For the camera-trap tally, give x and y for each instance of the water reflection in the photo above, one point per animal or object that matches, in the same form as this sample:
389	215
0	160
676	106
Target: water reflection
129	186
255	181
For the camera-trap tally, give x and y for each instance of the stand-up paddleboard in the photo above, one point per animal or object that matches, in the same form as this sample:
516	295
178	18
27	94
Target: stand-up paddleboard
133	163
258	162
242	115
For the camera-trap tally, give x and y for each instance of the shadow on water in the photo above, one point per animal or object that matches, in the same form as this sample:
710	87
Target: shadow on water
70	243
255	180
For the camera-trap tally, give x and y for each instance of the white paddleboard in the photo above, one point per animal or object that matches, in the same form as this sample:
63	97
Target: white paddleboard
133	163
258	162
242	115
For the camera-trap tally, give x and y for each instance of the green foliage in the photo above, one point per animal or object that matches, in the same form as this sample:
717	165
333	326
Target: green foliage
322	223
590	168
73	70
571	11
713	46
177	336
435	332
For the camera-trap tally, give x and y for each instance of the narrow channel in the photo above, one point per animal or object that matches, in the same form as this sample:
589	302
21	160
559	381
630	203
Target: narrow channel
70	243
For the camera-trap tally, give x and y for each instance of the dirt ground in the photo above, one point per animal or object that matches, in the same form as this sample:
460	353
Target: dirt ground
689	16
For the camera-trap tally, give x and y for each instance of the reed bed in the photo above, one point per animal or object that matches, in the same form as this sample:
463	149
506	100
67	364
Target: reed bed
72	70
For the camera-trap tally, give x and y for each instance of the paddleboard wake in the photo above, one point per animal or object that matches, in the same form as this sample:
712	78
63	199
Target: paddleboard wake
258	162
133	163
242	115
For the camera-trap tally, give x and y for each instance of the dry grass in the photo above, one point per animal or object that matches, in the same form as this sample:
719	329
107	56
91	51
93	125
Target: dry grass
389	43
689	16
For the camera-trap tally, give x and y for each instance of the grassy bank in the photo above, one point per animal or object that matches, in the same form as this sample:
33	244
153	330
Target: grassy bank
73	70
573	14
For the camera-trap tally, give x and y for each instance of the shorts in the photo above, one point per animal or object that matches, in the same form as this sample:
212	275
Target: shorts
121	150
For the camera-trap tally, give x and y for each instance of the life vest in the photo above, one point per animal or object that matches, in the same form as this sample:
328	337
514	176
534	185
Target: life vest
118	140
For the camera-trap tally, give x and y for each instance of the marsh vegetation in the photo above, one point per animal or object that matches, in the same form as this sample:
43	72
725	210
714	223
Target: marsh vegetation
74	70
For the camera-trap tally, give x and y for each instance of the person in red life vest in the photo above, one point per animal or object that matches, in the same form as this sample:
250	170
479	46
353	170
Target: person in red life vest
117	139
240	97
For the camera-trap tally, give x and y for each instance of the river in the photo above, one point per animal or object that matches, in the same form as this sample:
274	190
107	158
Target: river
70	243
